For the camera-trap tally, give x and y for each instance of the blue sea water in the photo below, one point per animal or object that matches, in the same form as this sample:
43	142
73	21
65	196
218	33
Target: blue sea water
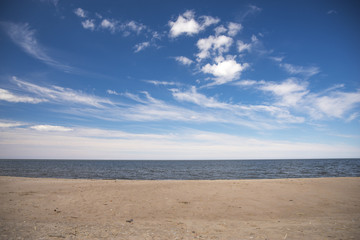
181	170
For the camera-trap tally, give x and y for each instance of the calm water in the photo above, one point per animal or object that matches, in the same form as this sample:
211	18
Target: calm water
241	169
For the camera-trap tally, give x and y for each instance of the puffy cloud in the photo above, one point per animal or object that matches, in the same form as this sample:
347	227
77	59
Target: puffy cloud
207	21
5	95
80	12
234	28
225	70
187	24
141	46
220	30
108	24
213	45
184	60
88	24
136	27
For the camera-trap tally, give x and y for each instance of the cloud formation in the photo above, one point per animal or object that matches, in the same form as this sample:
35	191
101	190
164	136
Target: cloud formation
23	36
56	94
224	70
141	46
185	144
8	96
184	60
213	46
188	25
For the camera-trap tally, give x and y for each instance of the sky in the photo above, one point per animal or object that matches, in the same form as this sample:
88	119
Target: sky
179	79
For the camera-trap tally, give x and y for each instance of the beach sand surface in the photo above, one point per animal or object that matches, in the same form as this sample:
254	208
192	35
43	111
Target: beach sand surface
323	208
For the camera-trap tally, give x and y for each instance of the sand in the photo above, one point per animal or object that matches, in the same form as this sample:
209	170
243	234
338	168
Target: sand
324	208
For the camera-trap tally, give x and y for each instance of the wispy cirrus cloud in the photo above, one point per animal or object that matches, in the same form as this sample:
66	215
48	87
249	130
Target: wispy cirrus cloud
254	116
57	94
23	36
51	128
182	144
141	46
331	103
300	70
8	96
164	83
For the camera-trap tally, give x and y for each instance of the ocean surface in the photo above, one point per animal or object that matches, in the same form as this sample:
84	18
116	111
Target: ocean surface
181	170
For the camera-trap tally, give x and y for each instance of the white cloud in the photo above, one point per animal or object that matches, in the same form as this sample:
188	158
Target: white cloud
108	24
112	92
213	45
224	71
247	83
243	46
252	9
88	24
5	95
304	71
208	21
329	103
184	60
165	83
80	12
58	94
24	37
234	28
51	128
193	96
277	59
253	116
337	104
255	43
187	24
10	124
220	30
141	46
182	144
290	91
136	27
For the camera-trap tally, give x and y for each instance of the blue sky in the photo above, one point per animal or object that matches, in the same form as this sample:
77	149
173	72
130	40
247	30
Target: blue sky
179	80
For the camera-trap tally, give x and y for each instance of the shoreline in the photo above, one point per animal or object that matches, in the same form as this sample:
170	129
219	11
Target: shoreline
293	208
165	180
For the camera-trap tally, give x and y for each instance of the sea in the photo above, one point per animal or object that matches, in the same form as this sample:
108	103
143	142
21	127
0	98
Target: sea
181	170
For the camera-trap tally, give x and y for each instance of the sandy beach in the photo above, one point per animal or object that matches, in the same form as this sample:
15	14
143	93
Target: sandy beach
324	208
